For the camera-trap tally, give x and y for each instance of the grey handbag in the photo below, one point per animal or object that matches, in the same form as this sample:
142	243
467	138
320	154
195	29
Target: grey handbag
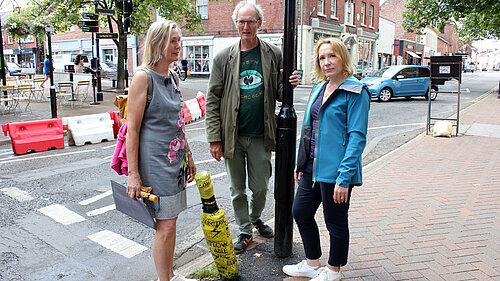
137	209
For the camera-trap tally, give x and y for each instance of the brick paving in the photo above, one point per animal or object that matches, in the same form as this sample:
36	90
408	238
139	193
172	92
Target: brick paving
430	210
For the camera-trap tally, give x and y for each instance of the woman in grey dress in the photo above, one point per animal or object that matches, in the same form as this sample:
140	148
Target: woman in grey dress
157	151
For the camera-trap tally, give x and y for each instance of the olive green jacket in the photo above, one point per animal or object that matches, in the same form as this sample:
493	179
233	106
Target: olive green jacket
223	96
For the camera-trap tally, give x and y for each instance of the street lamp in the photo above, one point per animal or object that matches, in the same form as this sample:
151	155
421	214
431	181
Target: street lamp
285	144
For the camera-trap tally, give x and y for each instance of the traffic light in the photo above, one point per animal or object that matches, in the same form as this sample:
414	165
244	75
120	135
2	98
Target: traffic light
128	8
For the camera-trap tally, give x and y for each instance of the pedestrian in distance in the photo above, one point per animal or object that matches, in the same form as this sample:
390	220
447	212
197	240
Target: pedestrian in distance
46	69
245	83
157	150
78	64
329	160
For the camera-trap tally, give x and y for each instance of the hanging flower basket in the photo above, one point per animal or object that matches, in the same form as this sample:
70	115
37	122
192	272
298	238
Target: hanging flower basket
17	28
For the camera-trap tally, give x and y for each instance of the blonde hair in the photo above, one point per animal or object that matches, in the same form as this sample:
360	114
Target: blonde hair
340	50
158	33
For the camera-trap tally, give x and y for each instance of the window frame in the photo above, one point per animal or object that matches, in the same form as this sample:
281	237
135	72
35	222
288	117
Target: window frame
372	12
198	6
349	10
333	9
321	12
363	14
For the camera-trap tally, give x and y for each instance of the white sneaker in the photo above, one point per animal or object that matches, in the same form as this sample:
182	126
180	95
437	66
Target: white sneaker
326	274
302	269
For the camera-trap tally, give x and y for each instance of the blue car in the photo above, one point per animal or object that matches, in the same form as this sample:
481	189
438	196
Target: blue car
400	81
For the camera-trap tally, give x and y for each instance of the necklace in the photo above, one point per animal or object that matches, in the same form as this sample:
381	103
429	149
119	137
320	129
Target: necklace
330	88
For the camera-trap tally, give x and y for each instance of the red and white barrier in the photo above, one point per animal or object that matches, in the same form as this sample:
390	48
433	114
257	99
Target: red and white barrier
194	109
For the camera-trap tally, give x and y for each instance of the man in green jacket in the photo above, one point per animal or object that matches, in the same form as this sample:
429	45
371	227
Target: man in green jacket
245	83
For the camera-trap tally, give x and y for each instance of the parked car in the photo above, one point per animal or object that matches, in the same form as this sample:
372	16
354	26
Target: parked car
470	68
109	71
14	68
400	81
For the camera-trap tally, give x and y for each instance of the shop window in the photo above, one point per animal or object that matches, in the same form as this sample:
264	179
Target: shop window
108	55
198	58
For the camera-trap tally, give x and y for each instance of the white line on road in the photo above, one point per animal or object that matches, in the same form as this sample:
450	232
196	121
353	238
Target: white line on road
101	210
212	177
61	214
110	146
95	198
107	157
45	156
18	194
205	161
400	125
117	243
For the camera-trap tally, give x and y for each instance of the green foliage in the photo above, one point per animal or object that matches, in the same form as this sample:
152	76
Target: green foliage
474	19
18	25
205	273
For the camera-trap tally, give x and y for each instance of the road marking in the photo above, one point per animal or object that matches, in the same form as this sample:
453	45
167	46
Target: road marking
18	194
400	125
45	156
117	243
101	210
109	146
95	198
107	157
212	177
61	214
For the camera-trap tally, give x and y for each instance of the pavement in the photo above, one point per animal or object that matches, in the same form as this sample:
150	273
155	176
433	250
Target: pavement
429	210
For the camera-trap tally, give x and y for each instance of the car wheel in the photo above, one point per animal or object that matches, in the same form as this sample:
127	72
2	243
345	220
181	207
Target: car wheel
434	94
385	95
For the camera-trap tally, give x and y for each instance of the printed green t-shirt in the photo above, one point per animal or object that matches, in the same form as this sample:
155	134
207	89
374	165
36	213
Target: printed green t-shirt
251	112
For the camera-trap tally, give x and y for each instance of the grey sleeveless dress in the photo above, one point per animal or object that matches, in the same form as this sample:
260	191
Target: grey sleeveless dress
162	147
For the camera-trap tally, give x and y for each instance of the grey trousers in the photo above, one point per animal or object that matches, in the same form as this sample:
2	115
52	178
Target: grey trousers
249	156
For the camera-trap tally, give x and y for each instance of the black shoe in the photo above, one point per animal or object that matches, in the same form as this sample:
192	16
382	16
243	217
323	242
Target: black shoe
264	229
242	244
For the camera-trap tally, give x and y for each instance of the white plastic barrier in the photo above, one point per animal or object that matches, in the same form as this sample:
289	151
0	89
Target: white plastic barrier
194	108
93	128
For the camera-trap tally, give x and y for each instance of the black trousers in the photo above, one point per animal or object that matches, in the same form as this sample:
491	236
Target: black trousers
305	205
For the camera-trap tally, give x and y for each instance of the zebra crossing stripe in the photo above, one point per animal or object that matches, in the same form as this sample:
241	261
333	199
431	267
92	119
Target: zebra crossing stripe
61	214
117	243
18	194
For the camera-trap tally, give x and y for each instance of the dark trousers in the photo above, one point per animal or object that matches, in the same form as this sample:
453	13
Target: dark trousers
305	205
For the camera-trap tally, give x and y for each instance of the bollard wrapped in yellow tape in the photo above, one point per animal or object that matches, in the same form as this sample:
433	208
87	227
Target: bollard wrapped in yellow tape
216	229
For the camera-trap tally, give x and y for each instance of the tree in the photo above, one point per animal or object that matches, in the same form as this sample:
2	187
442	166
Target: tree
474	19
63	14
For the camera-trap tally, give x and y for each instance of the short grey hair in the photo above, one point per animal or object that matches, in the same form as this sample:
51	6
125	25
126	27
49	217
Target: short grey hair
260	13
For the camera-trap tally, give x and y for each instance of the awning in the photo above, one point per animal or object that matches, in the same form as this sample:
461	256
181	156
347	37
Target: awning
412	54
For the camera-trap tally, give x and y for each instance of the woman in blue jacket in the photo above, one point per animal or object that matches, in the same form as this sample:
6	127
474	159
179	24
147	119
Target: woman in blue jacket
329	161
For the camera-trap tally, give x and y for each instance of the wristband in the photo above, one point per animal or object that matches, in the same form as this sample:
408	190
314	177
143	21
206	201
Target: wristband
189	153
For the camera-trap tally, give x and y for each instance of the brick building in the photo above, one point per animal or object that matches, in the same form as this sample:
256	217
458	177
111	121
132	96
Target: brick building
410	48
353	21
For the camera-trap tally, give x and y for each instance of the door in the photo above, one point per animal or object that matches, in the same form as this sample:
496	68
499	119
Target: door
406	82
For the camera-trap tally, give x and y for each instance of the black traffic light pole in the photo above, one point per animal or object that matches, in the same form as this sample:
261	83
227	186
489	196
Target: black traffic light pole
53	103
98	69
2	59
285	144
127	11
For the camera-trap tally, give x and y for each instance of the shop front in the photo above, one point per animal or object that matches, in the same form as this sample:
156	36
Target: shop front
198	51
